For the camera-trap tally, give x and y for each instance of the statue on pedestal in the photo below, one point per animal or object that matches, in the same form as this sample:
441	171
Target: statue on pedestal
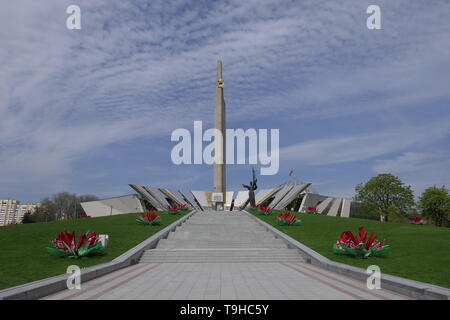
251	189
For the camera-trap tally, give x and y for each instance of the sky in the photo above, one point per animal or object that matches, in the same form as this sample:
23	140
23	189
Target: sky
92	110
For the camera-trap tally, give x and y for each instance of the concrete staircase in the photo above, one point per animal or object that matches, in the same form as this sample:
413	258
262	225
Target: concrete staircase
227	236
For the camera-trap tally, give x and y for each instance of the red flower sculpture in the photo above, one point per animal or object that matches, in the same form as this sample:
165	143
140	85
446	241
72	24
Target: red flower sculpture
66	244
265	210
151	219
312	210
288	219
417	220
362	246
176	208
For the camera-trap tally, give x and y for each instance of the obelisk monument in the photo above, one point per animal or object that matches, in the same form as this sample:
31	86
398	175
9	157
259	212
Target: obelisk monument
220	155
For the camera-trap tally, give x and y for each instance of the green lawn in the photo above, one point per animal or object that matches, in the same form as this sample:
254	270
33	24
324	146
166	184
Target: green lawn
420	253
24	257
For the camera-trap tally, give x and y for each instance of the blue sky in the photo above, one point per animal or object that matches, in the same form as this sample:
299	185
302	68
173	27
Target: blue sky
90	111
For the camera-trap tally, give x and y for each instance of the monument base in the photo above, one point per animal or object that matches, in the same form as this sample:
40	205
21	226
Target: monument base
218	206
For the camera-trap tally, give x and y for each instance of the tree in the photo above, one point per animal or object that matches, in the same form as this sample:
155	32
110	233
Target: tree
435	205
46	211
385	195
27	218
61	205
65	203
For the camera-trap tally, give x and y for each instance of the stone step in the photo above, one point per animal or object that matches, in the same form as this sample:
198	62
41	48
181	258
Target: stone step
221	226
209	227
221	260
226	256
151	258
221	251
221	255
194	243
206	238
253	228
218	235
224	229
202	239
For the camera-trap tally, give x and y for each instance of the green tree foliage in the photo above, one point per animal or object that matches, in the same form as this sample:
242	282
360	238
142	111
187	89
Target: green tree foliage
46	211
385	195
435	205
27	218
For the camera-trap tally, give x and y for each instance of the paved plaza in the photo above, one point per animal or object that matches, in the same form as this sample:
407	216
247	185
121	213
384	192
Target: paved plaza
223	255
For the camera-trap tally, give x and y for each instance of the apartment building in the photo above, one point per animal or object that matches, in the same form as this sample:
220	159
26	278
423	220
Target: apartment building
12	211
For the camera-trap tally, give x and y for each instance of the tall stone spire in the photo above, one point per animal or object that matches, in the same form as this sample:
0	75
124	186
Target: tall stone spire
220	125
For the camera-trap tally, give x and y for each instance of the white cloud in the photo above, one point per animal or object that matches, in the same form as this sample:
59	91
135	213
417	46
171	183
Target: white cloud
139	69
406	162
365	146
419	169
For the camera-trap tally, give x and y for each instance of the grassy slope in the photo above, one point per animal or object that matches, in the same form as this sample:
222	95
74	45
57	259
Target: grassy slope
420	253
24	257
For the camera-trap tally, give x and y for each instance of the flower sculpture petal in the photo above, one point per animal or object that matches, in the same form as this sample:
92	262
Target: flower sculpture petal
149	219
66	244
361	246
288	219
362	234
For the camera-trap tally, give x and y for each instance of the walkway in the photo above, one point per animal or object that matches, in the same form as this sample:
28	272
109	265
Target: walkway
223	255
